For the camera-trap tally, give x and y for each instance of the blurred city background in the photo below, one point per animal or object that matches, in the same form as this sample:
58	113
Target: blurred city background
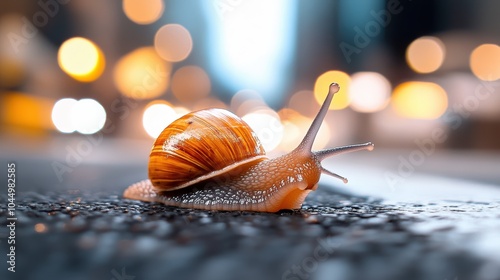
87	85
79	77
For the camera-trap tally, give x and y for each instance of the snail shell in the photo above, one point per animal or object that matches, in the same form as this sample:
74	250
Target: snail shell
199	146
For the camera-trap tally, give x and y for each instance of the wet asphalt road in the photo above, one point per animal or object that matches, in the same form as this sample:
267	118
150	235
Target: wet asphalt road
81	228
99	235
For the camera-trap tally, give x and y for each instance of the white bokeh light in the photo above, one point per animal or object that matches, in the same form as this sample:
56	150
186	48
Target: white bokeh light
267	125
156	117
369	92
88	116
61	115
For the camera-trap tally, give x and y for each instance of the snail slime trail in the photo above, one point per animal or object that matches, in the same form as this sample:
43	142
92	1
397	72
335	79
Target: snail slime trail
192	166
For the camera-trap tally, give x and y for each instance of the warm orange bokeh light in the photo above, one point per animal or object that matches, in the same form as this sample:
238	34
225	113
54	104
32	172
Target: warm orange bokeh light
26	111
142	74
425	54
208	102
322	85
485	62
304	103
420	100
81	59
173	42
143	11
295	127
190	83
40	228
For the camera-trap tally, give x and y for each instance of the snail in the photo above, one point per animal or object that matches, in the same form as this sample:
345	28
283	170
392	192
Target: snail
211	159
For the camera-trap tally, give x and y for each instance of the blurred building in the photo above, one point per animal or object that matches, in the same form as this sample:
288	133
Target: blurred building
409	70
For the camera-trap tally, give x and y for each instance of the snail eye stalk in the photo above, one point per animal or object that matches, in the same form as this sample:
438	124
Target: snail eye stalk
306	144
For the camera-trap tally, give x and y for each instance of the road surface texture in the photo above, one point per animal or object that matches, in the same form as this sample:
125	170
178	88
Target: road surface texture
82	228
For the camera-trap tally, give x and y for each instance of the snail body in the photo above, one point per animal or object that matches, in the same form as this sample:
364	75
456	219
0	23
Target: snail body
211	159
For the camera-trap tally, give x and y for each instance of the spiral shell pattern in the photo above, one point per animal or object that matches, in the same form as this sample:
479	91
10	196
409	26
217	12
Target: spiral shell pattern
201	145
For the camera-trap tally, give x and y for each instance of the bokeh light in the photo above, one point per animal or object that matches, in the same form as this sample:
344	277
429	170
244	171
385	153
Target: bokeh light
181	111
323	137
425	54
40	228
251	105
143	11
88	116
81	59
295	127
12	72
190	83
304	103
250	44
173	42
208	102
242	96
419	100
369	92
26	111
142	74
485	62
157	116
61	115
322	85
267	125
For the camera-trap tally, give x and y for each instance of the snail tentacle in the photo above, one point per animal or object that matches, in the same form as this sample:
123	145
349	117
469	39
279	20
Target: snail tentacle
321	155
308	141
328	172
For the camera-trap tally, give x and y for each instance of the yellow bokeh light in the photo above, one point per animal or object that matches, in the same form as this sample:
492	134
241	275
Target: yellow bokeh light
420	100
81	59
143	11
295	127
21	110
322	85
142	74
292	139
369	92
485	62
425	54
173	42
190	83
